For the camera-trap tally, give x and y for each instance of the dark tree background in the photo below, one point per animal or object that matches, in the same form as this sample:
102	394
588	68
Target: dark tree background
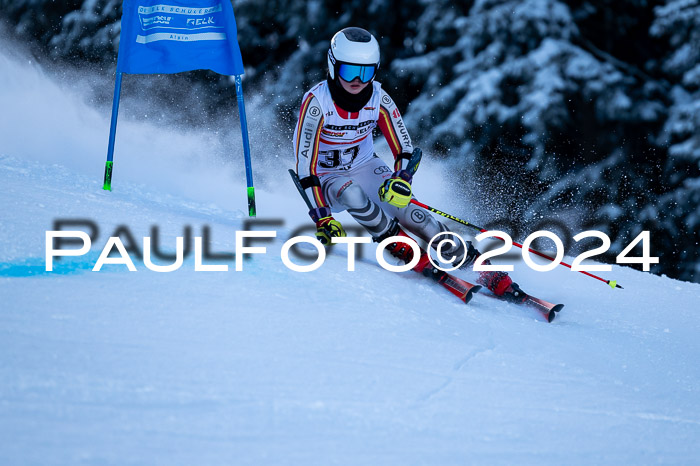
586	112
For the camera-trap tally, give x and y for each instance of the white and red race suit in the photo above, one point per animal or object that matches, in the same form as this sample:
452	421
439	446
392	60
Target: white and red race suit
331	141
339	170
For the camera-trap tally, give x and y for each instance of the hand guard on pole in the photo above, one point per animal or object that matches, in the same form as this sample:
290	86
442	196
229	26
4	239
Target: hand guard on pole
397	189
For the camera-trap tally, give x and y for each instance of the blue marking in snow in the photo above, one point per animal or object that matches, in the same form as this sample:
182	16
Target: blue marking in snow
35	266
73	265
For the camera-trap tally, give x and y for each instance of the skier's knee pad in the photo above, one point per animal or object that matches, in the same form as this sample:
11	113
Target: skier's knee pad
418	221
352	196
422	224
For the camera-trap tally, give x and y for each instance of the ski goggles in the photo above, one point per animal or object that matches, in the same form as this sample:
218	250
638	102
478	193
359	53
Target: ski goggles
349	72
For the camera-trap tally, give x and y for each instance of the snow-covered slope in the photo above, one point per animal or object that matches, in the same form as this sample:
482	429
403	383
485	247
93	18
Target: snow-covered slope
269	366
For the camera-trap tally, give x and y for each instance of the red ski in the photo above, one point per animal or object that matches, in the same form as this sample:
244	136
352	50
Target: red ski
518	296
548	310
458	287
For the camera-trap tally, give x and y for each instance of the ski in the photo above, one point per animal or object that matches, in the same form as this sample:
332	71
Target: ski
547	309
458	287
465	291
521	298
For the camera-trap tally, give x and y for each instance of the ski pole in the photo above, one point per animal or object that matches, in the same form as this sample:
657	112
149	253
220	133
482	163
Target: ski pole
612	283
297	183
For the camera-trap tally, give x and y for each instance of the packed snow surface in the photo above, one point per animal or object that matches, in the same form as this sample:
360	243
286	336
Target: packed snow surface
270	366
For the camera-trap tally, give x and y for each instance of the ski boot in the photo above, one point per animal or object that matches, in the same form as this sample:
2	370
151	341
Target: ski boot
401	250
500	284
404	252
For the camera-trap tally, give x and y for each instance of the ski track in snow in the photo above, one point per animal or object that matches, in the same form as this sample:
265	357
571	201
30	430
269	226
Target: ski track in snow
269	366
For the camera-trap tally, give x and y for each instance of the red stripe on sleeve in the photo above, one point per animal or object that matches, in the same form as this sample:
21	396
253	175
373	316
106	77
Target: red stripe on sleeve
388	131
318	193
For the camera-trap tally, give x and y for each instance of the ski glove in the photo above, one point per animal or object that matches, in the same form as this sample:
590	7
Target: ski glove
327	228
397	189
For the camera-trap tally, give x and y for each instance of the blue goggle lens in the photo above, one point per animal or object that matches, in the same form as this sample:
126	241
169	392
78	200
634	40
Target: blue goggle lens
350	72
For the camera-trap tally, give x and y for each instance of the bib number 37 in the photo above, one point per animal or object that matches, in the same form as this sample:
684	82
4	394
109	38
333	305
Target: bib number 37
336	158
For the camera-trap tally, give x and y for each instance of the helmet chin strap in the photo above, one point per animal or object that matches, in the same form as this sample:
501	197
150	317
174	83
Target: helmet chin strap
347	101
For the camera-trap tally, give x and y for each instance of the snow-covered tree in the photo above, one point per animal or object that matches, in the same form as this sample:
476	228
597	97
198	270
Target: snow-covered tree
676	214
586	110
521	99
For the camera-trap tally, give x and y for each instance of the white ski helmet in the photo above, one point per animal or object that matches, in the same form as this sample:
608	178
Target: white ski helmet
354	53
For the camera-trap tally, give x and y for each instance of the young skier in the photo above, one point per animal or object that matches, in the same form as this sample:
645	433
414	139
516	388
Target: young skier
339	170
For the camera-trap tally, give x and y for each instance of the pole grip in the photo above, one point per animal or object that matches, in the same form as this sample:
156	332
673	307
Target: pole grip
414	161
